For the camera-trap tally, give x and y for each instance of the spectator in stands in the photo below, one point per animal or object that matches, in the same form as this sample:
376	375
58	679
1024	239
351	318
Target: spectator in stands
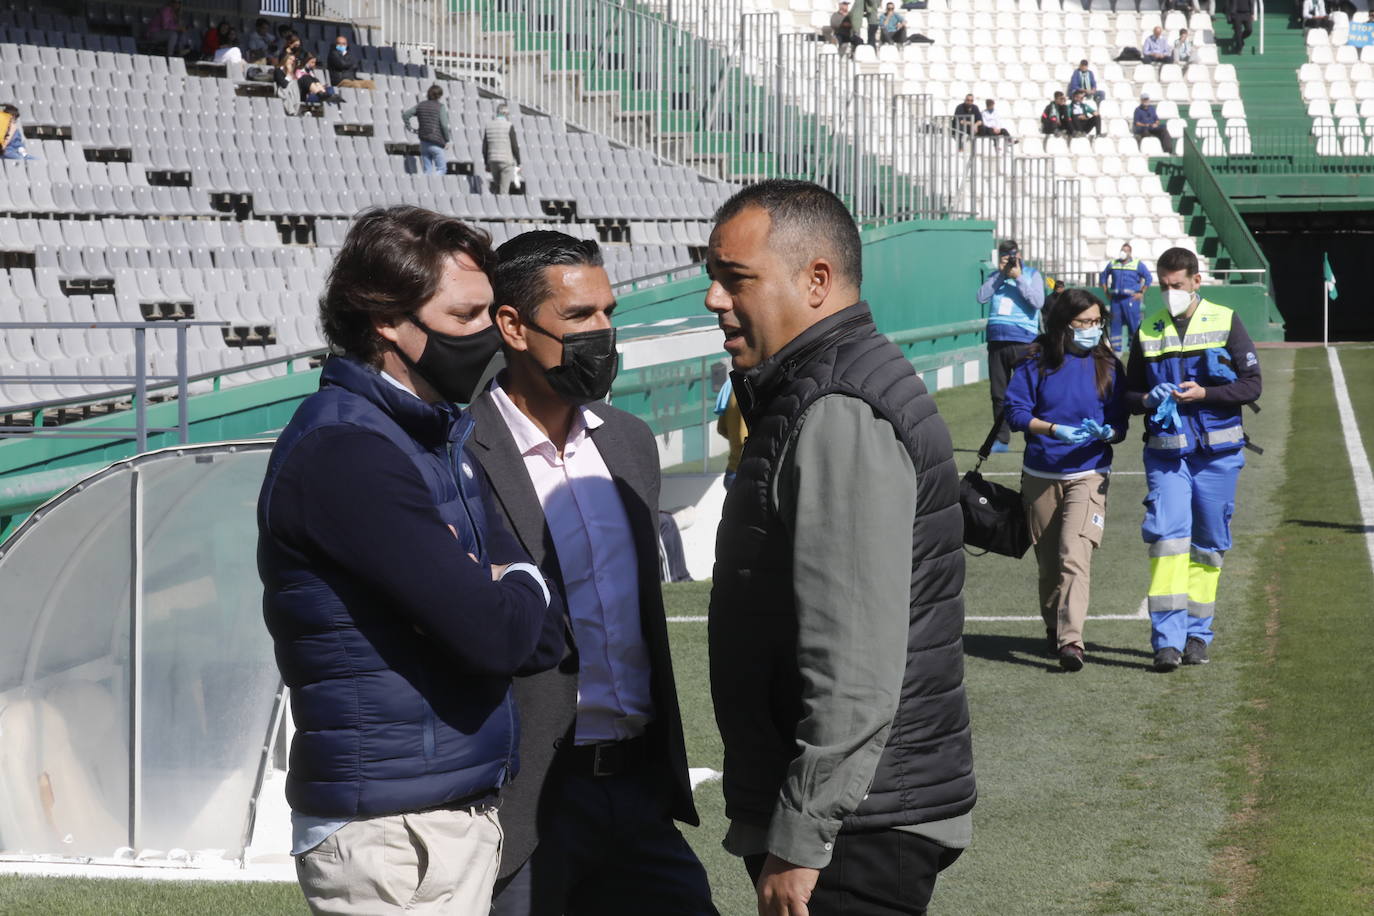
1145	123
343	66
214	37
165	26
1183	49
262	41
1014	294
12	135
1242	17
290	43
991	125
500	149
967	117
841	30
1083	78
228	52
313	89
1055	119
892	26
432	116
1314	15
399	605
1083	116
1157	50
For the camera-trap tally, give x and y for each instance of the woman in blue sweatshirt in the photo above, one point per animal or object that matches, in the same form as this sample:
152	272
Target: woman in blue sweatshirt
1068	397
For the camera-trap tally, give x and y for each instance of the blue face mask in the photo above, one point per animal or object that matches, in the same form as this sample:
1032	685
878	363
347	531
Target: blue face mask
1087	338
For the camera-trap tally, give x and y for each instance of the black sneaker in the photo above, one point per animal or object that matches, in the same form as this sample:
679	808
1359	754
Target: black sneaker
1071	658
1167	659
1195	652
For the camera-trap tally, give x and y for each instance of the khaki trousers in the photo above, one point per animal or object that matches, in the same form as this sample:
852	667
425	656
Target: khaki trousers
1066	521
439	861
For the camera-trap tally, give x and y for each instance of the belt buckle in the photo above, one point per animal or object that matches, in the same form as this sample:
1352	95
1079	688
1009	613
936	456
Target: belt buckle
597	758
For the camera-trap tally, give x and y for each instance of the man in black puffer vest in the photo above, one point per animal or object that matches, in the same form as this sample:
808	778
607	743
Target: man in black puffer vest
837	610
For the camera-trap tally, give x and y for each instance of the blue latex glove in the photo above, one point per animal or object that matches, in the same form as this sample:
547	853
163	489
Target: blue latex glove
1159	394
1166	414
1073	435
1217	371
723	399
1098	430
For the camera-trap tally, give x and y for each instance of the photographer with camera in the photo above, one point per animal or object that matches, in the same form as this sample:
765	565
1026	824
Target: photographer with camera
1014	294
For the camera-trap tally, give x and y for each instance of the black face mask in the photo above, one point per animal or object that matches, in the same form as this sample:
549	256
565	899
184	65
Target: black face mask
590	363
453	363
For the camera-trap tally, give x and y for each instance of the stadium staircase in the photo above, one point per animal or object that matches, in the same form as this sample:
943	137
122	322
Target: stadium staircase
1267	81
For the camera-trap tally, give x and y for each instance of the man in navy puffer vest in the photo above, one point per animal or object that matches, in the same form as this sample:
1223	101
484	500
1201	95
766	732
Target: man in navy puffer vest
399	606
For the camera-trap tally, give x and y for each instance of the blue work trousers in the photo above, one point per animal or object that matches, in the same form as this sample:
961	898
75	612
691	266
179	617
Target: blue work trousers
1188	527
1125	317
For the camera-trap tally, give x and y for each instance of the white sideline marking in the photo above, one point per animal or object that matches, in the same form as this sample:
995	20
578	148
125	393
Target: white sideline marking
1354	447
698	775
1018	473
1138	615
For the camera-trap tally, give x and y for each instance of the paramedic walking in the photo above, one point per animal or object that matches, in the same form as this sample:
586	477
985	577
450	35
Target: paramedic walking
1191	370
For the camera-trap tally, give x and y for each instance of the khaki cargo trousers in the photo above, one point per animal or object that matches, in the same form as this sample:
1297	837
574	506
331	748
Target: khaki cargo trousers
1066	519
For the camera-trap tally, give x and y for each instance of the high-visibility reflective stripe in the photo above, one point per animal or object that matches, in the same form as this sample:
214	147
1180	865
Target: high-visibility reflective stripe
1170	547
1225	436
1205	339
1167	443
1158	604
1212	558
1168	582
1202	583
1196	609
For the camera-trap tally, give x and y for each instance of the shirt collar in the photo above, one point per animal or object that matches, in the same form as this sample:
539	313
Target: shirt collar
392	380
530	439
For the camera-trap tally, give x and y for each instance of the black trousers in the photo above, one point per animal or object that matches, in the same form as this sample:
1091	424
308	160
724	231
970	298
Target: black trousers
884	872
1003	355
1243	26
608	848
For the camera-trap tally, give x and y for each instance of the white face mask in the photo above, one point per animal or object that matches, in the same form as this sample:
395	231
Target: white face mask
1177	301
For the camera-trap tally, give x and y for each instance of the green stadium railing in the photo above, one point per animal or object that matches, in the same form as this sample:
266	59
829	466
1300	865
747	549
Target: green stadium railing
1226	221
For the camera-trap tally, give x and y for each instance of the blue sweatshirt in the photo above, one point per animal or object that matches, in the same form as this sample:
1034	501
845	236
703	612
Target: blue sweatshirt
1015	311
1066	397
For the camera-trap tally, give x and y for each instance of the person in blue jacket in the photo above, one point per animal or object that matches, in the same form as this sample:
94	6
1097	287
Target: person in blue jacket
398	605
1068	397
1125	281
1014	294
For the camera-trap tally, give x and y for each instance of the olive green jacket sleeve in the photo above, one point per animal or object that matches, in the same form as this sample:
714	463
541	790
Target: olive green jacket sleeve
846	489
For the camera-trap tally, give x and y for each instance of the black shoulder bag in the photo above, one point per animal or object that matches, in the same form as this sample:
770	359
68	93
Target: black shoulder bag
994	519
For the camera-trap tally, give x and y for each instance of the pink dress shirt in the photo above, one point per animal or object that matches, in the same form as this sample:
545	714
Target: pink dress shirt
596	554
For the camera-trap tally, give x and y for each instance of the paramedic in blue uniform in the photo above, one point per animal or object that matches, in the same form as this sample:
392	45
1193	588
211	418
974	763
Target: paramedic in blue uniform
1192	368
1014	294
1125	281
1068	397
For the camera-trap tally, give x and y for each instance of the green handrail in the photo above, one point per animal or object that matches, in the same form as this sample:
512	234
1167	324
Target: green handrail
1225	219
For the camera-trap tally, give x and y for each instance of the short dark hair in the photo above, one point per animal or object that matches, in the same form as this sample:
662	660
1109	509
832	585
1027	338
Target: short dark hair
259	22
1007	246
520	279
435	93
10	109
390	264
1177	259
1083	63
807	221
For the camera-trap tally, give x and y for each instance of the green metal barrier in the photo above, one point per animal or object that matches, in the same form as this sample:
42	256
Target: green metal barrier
920	281
1225	219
